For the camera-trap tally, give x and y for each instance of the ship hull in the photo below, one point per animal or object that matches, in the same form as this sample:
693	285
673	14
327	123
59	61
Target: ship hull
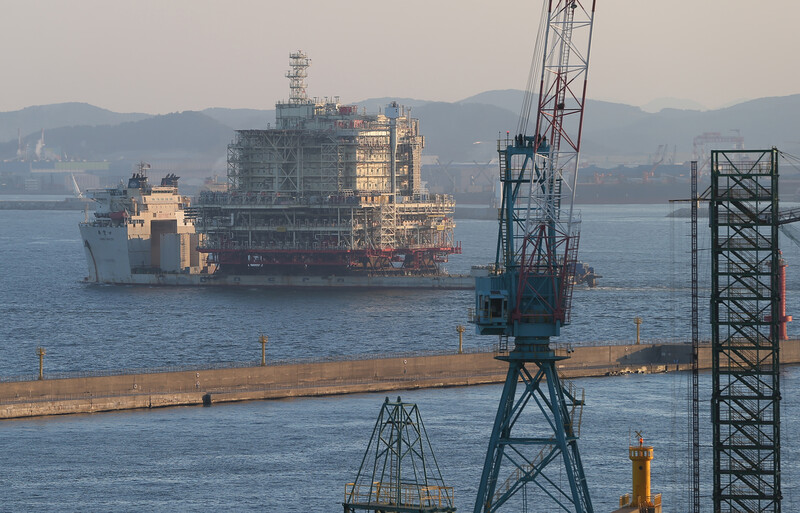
107	253
111	254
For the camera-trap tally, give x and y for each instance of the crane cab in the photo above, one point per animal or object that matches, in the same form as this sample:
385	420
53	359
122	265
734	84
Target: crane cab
491	313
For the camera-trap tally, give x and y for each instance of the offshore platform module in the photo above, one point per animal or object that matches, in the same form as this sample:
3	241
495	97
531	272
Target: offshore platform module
528	294
328	191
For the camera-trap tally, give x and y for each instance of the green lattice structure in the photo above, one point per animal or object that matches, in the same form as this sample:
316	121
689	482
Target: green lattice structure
399	473
745	404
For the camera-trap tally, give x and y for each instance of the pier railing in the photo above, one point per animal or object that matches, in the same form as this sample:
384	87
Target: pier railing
234	365
561	347
410	495
326	384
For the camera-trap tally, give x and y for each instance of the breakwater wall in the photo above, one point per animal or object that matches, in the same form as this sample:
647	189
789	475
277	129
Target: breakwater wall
67	204
71	395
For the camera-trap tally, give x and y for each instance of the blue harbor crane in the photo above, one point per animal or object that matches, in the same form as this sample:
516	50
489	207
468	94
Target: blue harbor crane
527	294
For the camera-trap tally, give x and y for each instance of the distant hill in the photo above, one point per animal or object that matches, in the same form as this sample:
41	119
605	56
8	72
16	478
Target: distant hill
242	119
763	123
602	119
508	99
468	130
373	105
462	131
36	118
660	104
616	133
186	133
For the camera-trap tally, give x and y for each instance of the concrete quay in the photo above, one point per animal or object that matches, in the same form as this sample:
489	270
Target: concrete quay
19	399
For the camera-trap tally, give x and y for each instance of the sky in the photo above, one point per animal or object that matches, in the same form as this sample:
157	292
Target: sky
160	56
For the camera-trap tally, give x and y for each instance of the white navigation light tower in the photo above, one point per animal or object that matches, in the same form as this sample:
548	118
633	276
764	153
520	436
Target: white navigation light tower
299	62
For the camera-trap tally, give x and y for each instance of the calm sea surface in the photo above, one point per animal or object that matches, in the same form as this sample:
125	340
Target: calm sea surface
296	455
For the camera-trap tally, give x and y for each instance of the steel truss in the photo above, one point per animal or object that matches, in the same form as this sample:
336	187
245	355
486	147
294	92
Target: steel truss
530	301
399	472
694	423
745	403
562	92
253	231
391	261
528	452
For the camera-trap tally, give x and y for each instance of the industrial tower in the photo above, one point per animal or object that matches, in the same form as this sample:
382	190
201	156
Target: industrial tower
528	294
745	317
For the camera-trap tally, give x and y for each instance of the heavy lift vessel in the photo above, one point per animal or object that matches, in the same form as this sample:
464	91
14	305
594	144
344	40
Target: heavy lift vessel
330	197
528	294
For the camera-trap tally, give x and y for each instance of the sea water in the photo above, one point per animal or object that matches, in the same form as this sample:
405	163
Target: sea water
641	254
296	455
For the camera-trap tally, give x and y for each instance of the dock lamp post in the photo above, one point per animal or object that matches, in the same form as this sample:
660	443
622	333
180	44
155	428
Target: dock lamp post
638	322
41	352
263	339
460	329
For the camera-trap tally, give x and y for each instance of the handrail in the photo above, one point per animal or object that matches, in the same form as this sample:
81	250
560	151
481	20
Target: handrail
330	358
409	494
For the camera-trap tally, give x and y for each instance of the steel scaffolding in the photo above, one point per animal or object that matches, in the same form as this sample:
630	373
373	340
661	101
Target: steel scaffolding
694	423
317	191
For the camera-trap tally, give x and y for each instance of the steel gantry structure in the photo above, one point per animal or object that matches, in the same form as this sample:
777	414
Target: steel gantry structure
528	294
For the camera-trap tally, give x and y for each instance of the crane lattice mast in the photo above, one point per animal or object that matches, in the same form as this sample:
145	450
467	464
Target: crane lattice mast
528	295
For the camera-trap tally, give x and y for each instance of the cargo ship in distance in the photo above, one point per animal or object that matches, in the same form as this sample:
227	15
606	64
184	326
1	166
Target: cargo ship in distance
329	197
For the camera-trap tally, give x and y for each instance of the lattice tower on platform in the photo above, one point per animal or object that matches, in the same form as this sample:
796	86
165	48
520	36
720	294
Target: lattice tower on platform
299	62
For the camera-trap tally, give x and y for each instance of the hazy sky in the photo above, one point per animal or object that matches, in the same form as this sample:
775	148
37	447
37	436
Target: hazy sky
172	55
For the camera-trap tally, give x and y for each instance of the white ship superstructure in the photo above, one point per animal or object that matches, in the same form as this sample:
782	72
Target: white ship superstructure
140	229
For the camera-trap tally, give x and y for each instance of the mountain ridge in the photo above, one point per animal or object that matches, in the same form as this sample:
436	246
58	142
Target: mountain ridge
186	132
464	131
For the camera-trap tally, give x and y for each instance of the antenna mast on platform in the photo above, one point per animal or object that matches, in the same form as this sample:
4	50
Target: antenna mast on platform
299	62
